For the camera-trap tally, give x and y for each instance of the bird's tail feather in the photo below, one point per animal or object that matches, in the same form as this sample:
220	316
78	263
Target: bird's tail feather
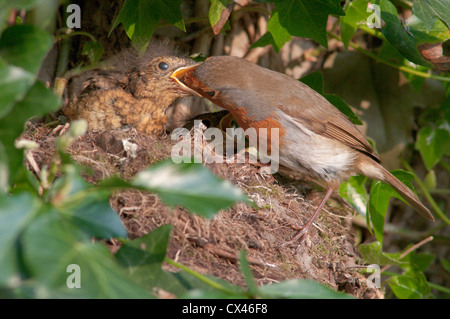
406	193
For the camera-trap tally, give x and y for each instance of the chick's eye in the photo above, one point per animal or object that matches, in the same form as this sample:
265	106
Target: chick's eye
163	66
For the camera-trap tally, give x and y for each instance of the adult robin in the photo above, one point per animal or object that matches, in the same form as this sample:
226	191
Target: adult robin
136	92
315	138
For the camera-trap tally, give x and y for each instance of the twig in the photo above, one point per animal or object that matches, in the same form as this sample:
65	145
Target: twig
410	249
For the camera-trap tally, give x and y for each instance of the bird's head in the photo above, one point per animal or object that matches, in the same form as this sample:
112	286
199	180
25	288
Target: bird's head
226	81
152	79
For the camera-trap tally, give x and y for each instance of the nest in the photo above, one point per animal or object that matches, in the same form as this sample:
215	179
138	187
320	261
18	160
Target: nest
212	246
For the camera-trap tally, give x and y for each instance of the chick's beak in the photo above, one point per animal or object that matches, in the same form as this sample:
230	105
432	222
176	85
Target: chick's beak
180	74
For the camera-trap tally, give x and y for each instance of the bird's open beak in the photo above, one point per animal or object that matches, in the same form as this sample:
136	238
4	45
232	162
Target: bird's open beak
178	74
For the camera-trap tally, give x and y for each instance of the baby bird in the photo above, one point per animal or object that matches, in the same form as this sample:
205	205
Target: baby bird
135	93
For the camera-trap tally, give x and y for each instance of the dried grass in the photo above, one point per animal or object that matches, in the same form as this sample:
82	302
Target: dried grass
212	246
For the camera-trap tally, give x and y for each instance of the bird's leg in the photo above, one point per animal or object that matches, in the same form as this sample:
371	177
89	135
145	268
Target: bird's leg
304	231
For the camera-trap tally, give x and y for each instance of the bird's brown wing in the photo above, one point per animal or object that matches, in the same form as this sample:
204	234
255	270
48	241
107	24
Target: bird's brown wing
321	117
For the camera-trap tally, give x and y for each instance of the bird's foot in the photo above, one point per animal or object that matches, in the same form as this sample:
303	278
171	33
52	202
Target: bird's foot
61	129
300	237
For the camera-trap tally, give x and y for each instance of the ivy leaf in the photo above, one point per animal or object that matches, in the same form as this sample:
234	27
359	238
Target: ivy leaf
264	40
38	101
314	80
219	12
355	14
301	289
372	253
380	195
86	206
398	35
433	144
354	191
65	244
140	17
14	85
143	257
186	184
411	285
189	185
423	11
279	34
441	9
25	46
94	50
342	106
15	213
303	18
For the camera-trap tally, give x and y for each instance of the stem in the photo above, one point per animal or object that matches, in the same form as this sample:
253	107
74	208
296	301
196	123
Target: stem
74	33
413	247
373	32
392	65
439	288
426	193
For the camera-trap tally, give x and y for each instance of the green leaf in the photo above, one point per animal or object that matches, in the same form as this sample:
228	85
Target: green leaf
441	9
25	46
354	191
412	285
264	40
248	275
372	254
94	51
143	257
51	244
38	101
380	195
86	206
279	34
342	106
303	18
355	14
423	11
140	17
417	261
398	36
301	289
438	32
146	250
189	185
15	213
20	4
216	11
14	85
432	143
314	80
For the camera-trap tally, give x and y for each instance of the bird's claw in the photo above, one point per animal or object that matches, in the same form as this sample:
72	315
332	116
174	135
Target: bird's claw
61	129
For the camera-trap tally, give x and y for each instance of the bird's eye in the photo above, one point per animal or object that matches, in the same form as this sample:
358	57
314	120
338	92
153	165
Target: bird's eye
163	66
